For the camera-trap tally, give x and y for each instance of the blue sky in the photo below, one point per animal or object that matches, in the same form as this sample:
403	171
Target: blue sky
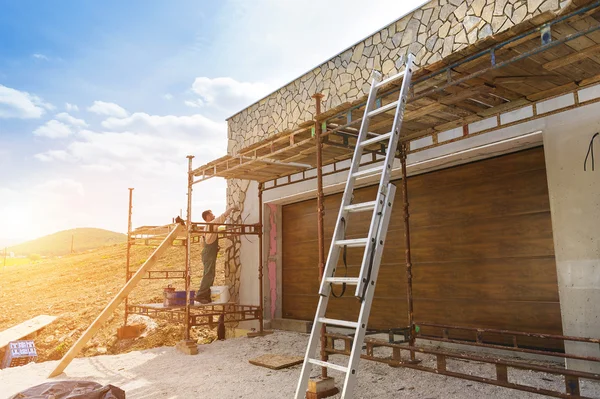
96	97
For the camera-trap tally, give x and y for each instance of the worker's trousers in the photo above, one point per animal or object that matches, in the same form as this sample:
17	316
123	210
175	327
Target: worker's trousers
209	259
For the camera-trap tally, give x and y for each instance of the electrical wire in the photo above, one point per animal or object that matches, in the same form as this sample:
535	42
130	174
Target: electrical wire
590	151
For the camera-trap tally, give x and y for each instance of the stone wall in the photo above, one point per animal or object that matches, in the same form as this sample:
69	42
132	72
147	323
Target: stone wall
432	32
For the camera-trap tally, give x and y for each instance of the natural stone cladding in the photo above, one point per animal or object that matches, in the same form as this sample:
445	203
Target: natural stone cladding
431	33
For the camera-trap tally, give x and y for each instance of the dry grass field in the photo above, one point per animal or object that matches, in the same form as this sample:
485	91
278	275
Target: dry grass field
77	287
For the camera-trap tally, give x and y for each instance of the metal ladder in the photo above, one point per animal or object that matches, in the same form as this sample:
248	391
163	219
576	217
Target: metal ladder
382	209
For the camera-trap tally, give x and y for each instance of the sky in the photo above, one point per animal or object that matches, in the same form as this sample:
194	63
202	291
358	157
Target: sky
97	97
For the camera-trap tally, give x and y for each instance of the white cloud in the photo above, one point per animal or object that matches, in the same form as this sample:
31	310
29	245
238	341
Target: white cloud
167	125
53	129
65	117
108	109
194	103
39	56
20	104
71	107
143	143
61	187
52	155
168	96
226	93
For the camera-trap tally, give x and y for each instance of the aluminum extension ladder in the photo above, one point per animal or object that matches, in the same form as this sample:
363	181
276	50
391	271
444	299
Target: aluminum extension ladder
382	209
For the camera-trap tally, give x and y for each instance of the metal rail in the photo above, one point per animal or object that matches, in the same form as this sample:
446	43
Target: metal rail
162	274
502	377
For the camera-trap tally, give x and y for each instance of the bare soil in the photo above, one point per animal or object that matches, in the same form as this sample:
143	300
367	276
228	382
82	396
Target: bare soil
77	287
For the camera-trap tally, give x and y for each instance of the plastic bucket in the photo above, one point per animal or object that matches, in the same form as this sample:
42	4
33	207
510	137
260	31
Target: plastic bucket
219	294
177	298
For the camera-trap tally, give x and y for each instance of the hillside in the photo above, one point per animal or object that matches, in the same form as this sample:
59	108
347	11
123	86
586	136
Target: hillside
77	287
60	243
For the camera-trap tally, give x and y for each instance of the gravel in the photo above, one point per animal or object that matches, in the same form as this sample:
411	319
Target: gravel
221	370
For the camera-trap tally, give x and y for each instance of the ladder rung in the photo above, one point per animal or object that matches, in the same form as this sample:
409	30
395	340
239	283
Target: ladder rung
328	365
377	139
342	280
355	242
367	172
338	323
383	109
391	79
362	207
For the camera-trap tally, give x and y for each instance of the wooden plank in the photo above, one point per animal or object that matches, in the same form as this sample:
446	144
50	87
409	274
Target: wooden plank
115	302
561	62
24	329
276	362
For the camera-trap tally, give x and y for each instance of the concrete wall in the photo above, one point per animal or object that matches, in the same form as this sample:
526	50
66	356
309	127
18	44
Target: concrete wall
575	205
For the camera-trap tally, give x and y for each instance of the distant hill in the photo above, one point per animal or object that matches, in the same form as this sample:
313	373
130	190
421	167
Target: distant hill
60	243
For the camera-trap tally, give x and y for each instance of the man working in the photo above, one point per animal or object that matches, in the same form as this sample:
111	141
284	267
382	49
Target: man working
209	253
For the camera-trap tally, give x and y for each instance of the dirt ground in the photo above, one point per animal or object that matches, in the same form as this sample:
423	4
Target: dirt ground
77	287
221	370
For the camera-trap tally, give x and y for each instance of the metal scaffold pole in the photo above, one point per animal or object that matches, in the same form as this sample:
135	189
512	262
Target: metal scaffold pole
188	248
409	293
261	330
320	216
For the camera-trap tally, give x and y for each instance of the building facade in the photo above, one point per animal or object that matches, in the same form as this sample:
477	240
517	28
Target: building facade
505	219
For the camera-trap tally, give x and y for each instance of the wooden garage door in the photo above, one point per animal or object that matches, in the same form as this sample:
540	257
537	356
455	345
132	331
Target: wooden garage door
482	248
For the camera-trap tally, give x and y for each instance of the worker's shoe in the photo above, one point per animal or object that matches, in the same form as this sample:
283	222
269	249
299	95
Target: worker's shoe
203	299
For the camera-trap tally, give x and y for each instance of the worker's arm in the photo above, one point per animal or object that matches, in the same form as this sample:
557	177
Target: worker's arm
222	218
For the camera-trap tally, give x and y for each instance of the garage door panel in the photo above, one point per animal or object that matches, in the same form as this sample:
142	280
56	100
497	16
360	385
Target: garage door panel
511	314
523	196
474	173
489	279
482	250
392	311
521	236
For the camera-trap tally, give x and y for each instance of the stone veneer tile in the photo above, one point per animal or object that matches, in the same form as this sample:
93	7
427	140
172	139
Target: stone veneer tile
432	32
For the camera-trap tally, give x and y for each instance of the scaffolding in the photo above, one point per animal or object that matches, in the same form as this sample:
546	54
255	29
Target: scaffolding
547	57
192	314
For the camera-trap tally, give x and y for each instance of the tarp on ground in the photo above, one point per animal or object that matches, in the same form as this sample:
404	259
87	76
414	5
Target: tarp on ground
71	390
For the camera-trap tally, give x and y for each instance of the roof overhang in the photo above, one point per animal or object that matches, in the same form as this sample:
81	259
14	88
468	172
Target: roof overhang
501	73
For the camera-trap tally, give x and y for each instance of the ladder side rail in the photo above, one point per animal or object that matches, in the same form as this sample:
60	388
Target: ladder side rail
387	170
334	250
311	349
365	309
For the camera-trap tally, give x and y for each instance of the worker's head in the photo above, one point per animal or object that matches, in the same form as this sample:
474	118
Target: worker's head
208	216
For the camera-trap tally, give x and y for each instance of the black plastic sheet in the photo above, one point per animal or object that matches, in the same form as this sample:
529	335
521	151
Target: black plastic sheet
71	390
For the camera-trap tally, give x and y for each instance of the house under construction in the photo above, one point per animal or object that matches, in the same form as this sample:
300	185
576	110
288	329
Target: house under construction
501	247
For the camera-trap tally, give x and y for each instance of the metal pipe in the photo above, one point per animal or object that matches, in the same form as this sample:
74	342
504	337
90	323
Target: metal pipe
409	293
128	261
511	40
260	257
509	348
188	248
507	62
520	333
320	215
483	53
